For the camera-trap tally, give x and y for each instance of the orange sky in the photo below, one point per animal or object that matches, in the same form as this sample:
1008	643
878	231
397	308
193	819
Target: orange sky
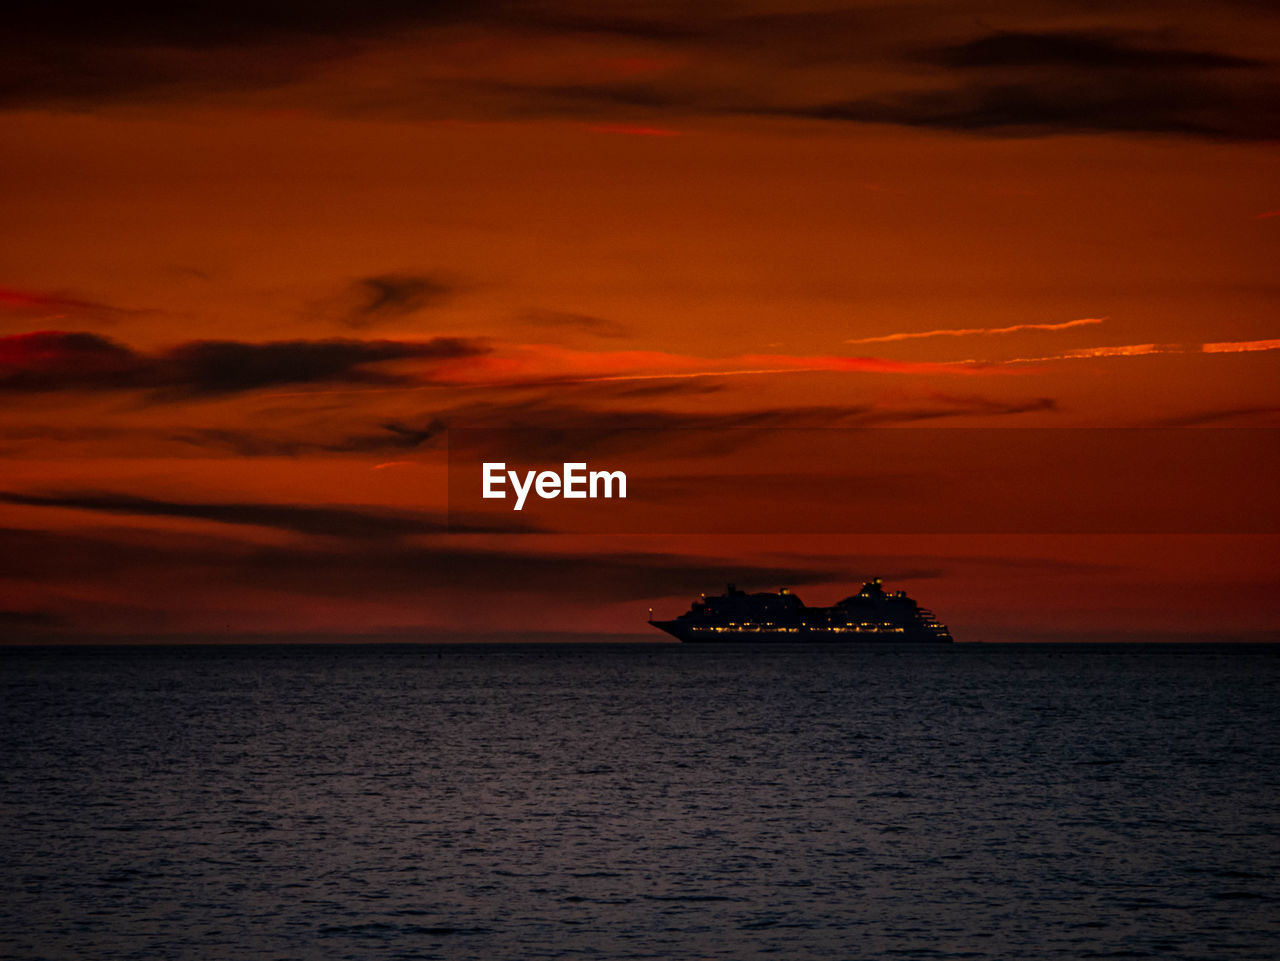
259	259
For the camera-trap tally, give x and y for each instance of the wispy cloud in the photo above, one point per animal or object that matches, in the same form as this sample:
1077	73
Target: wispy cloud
970	331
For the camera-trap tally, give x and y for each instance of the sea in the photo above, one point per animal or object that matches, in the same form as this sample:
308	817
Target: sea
635	801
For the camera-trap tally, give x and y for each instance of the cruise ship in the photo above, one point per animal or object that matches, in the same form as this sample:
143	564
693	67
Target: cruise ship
871	616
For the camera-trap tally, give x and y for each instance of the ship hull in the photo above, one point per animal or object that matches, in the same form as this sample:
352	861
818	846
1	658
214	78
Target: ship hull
691	634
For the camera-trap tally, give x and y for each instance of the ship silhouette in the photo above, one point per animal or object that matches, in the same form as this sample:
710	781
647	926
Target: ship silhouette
870	616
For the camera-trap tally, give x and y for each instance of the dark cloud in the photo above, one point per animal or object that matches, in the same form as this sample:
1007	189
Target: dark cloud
1079	103
859	64
564	320
388	438
344	522
1092	50
403	437
213	366
61	360
391	296
203	24
76	54
1002	84
1033	84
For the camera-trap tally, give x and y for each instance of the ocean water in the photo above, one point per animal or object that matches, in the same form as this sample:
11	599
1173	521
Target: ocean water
642	801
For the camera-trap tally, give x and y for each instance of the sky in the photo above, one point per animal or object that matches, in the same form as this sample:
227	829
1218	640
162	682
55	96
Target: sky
262	260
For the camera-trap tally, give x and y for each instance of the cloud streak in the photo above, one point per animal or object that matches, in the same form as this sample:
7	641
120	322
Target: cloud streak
971	331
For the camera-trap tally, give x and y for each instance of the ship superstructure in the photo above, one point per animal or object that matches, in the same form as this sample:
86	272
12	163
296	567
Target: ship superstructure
872	615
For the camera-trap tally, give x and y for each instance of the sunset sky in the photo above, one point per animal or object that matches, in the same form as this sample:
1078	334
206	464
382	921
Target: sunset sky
260	258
